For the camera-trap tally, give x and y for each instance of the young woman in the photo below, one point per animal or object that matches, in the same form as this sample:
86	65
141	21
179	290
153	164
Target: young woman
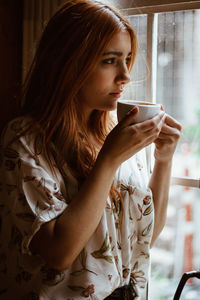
77	210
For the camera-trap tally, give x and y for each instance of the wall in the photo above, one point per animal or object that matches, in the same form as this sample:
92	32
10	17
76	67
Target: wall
11	13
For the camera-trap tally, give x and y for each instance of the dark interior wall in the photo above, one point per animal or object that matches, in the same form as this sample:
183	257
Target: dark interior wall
11	20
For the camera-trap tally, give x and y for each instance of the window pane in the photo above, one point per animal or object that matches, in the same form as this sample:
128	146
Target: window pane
178	72
136	90
177	249
178	88
178	75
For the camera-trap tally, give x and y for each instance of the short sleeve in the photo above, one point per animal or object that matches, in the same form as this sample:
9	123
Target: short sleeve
32	191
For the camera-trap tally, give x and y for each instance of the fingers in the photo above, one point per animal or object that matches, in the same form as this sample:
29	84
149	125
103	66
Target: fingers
149	130
171	129
170	138
167	130
129	117
147	125
154	123
170	121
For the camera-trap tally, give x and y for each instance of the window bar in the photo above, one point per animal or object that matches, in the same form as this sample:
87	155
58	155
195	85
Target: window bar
152	38
152	33
186	181
146	6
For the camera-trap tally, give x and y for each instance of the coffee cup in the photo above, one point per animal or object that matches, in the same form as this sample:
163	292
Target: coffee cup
147	110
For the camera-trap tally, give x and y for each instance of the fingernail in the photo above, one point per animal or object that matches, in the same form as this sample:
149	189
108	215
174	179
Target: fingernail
162	108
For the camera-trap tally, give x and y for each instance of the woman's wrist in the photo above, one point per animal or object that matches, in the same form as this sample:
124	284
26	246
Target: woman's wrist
107	162
164	162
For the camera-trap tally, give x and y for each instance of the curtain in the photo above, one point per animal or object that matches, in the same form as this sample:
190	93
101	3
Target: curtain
36	15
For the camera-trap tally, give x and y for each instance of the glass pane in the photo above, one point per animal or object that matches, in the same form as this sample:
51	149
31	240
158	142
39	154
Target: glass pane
178	72
177	249
136	89
178	87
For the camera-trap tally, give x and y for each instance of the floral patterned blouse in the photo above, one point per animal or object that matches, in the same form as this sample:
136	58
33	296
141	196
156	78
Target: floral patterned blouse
30	195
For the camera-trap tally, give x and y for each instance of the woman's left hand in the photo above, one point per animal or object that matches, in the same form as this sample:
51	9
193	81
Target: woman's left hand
165	144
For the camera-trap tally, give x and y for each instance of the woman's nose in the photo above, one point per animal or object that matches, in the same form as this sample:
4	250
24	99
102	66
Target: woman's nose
123	76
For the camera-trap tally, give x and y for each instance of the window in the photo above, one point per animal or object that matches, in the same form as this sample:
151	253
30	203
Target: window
167	71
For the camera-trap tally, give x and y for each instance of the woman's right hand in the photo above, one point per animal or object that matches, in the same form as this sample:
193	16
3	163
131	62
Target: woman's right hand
126	138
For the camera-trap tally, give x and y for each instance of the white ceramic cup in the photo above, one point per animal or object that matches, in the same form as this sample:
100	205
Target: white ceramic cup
147	110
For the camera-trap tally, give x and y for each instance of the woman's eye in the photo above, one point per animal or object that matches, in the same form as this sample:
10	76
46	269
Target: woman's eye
109	61
113	60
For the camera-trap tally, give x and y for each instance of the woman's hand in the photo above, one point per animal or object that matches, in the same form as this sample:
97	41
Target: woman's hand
167	140
127	138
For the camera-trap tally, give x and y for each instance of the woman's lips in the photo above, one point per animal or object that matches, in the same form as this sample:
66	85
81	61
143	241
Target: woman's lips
116	94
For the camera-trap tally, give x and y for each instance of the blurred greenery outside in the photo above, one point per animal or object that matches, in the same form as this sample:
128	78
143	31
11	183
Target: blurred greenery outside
191	135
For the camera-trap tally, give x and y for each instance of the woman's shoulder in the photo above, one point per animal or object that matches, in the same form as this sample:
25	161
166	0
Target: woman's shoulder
14	129
19	136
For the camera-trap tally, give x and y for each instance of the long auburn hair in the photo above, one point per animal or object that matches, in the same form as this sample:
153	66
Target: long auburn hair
67	54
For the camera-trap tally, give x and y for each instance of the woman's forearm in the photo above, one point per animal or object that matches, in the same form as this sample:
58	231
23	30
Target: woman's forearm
83	215
159	184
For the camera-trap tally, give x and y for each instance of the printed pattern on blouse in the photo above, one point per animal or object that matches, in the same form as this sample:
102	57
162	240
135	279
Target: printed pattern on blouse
31	195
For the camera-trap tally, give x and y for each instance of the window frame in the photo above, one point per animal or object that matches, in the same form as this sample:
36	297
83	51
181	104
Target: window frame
153	6
151	9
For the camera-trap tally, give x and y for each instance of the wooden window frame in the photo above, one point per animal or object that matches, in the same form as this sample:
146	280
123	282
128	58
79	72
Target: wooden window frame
154	6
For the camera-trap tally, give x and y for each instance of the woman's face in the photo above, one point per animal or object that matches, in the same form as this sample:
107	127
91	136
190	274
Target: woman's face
104	86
